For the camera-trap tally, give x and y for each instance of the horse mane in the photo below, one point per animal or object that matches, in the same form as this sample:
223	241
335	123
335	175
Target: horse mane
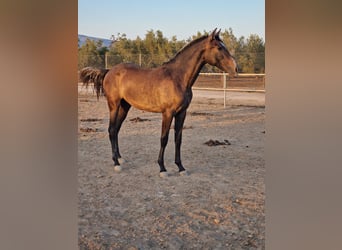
200	39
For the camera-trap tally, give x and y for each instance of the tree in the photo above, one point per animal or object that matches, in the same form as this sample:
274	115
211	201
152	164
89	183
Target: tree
256	50
91	54
154	49
250	54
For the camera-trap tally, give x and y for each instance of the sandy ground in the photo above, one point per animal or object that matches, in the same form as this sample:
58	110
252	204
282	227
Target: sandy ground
220	205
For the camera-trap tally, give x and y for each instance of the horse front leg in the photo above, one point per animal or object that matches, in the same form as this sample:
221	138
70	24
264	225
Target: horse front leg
179	122
166	123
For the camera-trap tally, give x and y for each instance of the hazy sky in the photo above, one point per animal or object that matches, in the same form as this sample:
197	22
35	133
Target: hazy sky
183	18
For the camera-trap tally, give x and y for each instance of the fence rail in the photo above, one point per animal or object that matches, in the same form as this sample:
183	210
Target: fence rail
225	84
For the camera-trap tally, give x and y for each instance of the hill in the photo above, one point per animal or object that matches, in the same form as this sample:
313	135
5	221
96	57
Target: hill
83	38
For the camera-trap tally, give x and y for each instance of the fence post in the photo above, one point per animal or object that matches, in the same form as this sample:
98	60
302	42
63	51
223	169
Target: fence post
224	89
106	60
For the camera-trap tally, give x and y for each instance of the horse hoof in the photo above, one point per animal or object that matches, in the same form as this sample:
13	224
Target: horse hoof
163	174
184	173
117	168
121	160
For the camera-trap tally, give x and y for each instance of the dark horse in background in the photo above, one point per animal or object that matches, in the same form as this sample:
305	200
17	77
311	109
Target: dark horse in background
165	89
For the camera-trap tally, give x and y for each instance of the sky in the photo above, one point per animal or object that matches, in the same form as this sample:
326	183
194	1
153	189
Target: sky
182	18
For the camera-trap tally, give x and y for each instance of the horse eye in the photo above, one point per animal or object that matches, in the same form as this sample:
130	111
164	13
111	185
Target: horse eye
219	48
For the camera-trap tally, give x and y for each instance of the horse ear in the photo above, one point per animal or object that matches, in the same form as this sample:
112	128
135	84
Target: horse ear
218	33
213	34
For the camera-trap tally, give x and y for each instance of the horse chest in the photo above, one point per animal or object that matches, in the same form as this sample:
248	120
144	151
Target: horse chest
185	101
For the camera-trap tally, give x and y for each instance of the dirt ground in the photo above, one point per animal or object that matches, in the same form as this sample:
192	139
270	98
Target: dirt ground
220	205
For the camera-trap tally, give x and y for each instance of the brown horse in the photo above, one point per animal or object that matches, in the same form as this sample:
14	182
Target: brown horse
165	89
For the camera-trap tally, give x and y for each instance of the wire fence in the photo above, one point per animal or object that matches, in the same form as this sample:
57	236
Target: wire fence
210	79
247	62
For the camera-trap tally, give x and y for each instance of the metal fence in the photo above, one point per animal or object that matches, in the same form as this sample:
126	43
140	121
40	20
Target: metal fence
214	81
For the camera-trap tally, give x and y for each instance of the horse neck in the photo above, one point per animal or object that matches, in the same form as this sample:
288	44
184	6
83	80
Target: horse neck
188	64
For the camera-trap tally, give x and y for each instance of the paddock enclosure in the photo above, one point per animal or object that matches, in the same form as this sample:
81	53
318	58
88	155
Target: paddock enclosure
220	205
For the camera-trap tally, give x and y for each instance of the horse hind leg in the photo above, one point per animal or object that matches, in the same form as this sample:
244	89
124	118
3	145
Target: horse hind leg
122	114
113	138
114	107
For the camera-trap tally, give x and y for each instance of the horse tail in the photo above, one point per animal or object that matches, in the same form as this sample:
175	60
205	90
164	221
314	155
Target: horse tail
92	75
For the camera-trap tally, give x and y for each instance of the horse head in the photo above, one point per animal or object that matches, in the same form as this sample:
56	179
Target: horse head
217	54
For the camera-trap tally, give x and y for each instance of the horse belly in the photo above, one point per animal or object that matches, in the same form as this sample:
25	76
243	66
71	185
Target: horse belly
146	90
145	98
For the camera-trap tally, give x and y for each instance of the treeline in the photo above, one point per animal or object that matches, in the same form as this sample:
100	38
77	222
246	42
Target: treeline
154	49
